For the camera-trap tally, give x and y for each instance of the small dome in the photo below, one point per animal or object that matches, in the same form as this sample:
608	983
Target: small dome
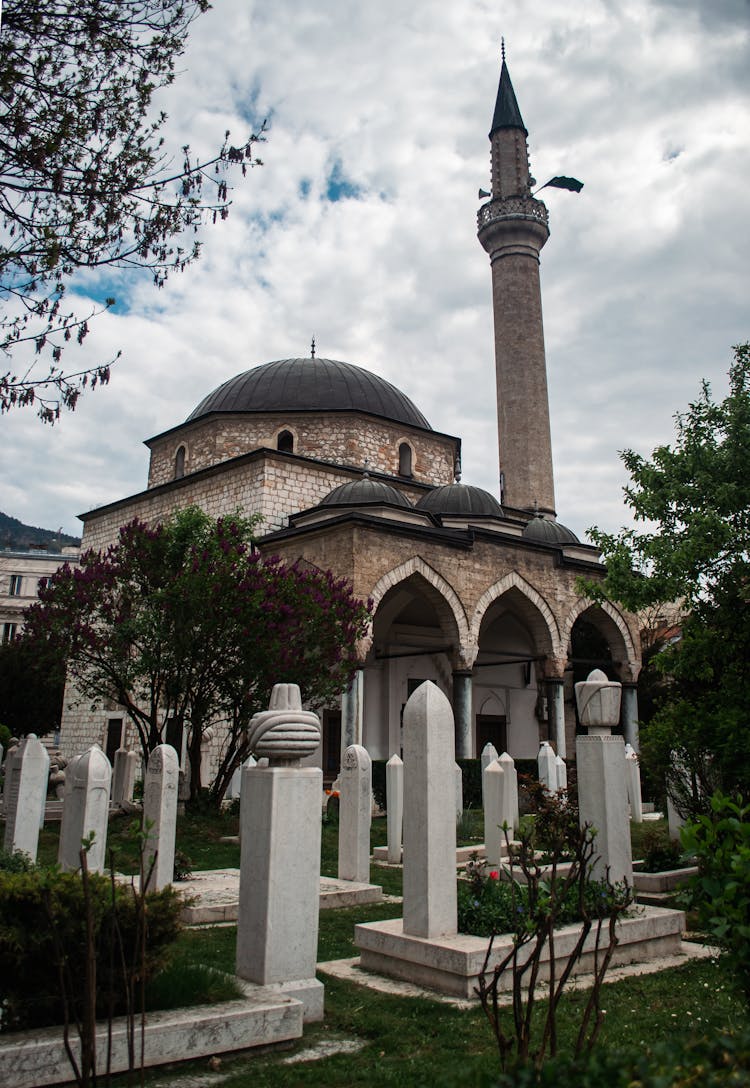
459	500
311	385
543	531
366	490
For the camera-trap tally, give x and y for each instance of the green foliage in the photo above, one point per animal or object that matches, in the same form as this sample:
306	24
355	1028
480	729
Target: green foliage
85	178
660	851
693	501
43	931
15	861
720	841
164	624
471	774
5	735
378	783
32	684
717	1061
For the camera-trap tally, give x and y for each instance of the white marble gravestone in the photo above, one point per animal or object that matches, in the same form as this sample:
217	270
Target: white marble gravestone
123	776
277	923
494	836
602	795
547	766
355	815
509	803
394	792
459	793
430	908
160	790
561	772
489	755
633	784
85	810
28	771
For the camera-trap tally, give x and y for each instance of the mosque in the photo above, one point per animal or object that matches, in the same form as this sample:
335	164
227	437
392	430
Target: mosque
475	592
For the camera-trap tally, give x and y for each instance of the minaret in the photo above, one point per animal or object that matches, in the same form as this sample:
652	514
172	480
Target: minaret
512	227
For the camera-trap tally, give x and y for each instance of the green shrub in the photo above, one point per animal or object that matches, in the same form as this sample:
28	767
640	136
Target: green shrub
15	862
721	890
471	776
660	851
43	929
378	783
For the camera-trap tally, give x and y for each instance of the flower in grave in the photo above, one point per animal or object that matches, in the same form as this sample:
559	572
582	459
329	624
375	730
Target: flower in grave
494	875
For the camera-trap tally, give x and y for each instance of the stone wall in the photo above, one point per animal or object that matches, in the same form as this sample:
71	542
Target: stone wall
344	438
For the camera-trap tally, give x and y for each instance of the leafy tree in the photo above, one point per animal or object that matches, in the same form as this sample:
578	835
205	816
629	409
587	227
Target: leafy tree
85	181
188	621
691	503
32	682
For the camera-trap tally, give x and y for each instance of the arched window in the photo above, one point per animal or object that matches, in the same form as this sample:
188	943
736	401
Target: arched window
404	459
179	463
285	442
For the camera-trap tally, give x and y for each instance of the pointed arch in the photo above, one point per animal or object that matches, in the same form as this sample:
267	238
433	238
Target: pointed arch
510	581
585	604
416	565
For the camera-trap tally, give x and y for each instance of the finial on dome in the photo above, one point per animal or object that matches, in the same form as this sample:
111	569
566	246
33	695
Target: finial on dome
457	471
366	473
312	348
502	49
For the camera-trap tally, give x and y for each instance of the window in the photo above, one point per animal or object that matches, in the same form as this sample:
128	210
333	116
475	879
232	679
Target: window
9	632
114	738
179	463
16	582
404	459
285	442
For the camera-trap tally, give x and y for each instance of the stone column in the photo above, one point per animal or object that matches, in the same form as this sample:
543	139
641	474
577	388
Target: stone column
630	716
352	704
160	815
28	768
547	766
462	712
633	785
602	796
85	810
355	815
277	924
430	908
556	709
494	837
489	755
394	791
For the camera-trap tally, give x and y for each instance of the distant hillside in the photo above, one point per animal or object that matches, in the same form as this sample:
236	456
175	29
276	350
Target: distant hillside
14	534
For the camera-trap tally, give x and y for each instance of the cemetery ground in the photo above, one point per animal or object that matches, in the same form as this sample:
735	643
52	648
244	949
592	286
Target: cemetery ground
371	1037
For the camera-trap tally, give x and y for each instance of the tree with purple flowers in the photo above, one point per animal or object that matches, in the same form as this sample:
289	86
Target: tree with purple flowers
186	621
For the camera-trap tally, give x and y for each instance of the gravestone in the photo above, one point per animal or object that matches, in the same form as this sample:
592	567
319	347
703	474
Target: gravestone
633	784
123	776
561	772
355	815
24	801
394	793
509	803
459	793
494	837
160	790
489	755
602	796
85	810
277	923
10	768
547	766
430	908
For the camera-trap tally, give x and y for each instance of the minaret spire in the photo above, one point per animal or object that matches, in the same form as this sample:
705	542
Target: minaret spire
512	228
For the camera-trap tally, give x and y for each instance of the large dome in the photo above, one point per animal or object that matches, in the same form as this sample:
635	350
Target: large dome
365	491
544	531
460	500
311	385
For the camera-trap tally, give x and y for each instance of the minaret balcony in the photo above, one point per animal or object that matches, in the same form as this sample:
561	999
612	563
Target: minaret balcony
513	207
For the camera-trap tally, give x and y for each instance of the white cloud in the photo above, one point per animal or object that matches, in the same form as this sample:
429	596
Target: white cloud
644	276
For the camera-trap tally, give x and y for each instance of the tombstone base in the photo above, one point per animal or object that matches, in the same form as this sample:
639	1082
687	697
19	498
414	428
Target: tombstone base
310	992
451	965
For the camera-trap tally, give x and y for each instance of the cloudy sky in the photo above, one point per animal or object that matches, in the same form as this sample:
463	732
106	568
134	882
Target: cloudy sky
360	229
